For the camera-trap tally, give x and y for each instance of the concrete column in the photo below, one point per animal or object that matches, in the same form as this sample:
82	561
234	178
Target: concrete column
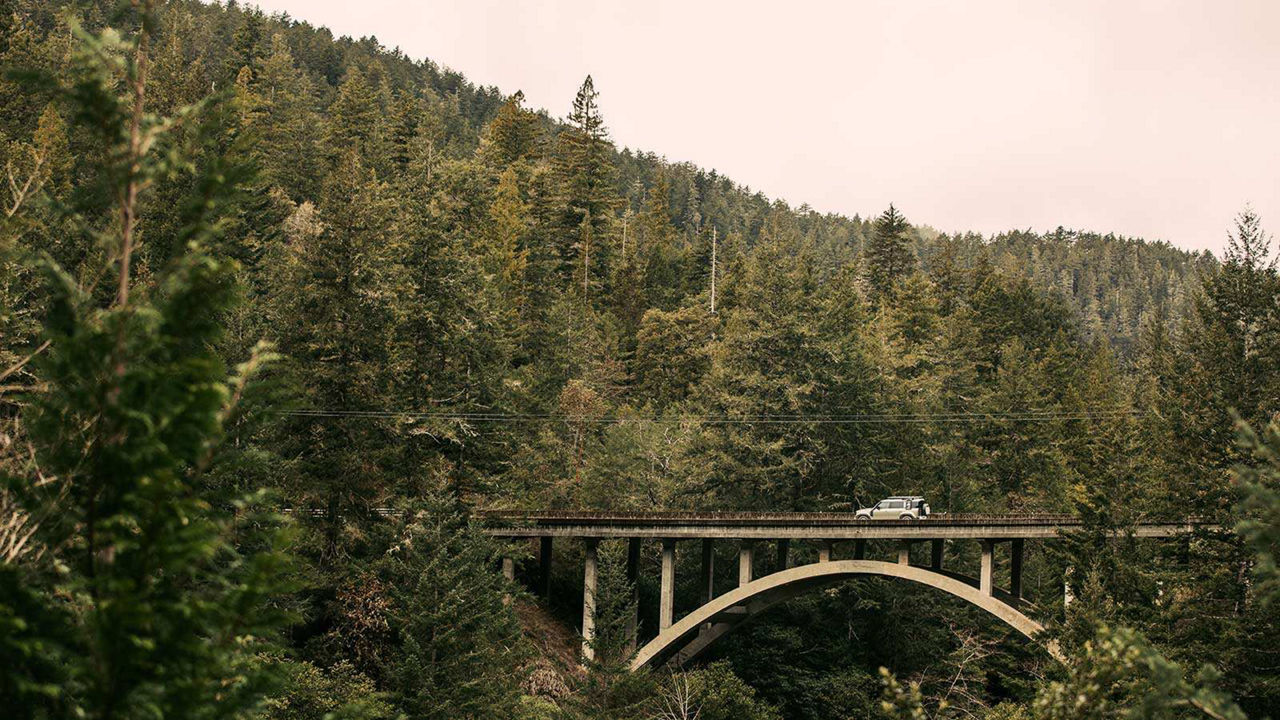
746	561
988	563
1015	567
708	570
633	579
784	555
1067	596
935	554
589	574
508	572
667	590
859	549
904	552
825	551
544	567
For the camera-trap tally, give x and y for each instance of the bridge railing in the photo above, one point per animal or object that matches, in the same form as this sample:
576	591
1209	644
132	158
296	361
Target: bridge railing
615	518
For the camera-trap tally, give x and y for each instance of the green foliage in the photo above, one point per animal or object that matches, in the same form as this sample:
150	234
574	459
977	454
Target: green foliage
609	688
902	702
710	693
459	650
1260	526
339	692
889	255
586	177
514	134
156	599
479	306
1119	675
34	639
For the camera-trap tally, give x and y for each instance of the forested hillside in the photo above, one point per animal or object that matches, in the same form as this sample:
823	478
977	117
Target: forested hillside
260	282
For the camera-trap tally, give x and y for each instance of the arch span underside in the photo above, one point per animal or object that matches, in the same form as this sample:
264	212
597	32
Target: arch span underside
702	627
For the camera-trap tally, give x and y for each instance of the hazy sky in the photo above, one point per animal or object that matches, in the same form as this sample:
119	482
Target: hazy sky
1158	119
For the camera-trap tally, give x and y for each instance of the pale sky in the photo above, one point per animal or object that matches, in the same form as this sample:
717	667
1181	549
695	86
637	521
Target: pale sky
1157	119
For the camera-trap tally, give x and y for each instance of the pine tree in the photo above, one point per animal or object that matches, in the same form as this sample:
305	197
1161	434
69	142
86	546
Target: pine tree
1231	347
588	196
289	129
153	600
663	271
451	338
773	360
889	255
461	652
508	258
611	690
244	52
671	354
334	312
514	134
356	121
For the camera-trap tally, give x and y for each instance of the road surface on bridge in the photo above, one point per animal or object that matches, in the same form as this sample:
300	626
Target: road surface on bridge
803	526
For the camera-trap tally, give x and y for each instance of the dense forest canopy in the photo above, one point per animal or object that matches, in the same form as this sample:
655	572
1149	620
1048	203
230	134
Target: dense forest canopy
247	267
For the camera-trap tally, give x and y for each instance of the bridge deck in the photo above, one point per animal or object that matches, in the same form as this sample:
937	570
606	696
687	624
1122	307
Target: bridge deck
799	526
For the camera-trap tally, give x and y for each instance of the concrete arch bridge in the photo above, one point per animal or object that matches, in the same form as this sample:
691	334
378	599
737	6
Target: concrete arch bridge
718	614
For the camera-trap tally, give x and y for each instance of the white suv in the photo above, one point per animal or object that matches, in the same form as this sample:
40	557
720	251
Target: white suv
896	508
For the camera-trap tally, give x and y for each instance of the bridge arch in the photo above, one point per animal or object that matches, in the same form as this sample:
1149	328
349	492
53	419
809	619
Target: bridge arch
702	627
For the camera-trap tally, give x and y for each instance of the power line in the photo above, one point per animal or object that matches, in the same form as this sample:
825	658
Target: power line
770	419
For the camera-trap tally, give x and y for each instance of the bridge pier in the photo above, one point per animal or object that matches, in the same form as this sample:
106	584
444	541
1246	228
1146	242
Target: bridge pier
935	554
590	572
633	580
667	588
708	574
746	562
508	572
784	555
544	567
708	570
985	585
825	551
904	552
1015	567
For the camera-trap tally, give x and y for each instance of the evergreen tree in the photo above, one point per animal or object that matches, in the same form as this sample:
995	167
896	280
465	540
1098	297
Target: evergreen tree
773	361
461	651
588	197
889	254
244	51
287	131
658	247
356	121
153	600
508	259
671	354
333	310
1231	345
514	134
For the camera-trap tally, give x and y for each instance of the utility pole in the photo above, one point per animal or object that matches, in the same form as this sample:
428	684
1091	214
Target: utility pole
713	269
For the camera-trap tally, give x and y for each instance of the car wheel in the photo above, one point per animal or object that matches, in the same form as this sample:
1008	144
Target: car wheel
906	516
862	518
